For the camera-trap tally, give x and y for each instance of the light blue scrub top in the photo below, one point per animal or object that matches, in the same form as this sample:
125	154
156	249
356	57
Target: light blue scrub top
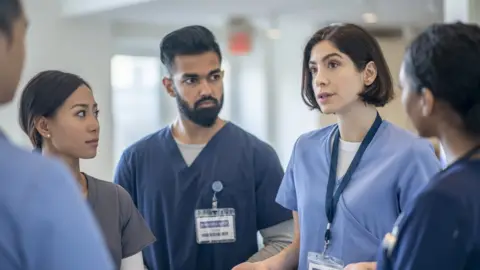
394	168
44	221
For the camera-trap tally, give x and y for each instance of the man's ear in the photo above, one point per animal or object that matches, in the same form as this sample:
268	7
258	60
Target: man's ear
168	83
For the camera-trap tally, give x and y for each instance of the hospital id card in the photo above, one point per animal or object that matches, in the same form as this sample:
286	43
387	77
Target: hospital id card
215	225
318	261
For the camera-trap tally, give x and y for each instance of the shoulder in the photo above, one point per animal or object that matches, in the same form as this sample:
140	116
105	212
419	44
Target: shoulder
23	171
457	181
438	200
404	143
146	143
109	187
29	181
314	137
248	141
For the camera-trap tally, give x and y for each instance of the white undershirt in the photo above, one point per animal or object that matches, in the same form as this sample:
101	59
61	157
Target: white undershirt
134	262
346	153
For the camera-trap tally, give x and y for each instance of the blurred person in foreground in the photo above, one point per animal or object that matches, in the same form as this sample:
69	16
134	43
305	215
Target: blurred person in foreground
45	223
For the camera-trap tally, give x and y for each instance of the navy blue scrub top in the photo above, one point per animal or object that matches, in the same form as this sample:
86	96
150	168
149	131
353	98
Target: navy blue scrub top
167	192
441	229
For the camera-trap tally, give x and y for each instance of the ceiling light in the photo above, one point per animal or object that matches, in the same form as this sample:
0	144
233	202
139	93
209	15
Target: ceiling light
369	17
273	33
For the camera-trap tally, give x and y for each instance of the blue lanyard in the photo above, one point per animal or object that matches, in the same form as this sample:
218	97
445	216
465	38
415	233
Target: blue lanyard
331	199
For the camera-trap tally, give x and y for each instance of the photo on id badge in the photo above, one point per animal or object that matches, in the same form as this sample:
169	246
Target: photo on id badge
318	261
215	225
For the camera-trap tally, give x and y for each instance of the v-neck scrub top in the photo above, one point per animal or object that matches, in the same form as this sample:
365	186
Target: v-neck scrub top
393	170
125	231
167	191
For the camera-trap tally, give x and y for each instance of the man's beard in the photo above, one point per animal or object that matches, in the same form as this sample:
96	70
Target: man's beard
204	117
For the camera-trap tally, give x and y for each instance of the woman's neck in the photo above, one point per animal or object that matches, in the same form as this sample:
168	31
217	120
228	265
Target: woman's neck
456	144
73	164
354	122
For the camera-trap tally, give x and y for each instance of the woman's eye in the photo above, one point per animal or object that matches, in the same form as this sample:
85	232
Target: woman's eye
333	64
81	114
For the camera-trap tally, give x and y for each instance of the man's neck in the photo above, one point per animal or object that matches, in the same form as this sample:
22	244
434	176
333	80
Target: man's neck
188	132
355	122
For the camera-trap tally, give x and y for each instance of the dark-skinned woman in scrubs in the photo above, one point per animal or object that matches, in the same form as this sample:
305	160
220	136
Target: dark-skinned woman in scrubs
440	78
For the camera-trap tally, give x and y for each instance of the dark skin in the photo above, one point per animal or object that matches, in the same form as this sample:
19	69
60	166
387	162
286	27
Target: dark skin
436	118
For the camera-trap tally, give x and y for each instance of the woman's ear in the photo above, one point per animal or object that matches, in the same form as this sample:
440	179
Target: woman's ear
369	73
427	102
41	125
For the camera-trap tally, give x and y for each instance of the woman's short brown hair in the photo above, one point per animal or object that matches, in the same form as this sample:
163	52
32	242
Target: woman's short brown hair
362	48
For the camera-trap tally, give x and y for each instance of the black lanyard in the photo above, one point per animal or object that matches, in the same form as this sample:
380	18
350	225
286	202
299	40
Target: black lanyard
332	198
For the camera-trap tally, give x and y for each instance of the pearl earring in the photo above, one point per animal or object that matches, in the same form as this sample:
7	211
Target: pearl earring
48	135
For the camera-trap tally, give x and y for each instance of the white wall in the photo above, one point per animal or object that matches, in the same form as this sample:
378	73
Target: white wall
82	47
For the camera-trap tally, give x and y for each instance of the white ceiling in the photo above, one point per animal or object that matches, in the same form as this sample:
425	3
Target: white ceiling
216	12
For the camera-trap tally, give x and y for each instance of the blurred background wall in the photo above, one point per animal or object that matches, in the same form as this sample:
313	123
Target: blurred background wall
113	44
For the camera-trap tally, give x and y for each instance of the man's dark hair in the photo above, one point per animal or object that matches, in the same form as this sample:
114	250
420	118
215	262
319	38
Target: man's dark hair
10	10
362	48
189	40
445	58
43	95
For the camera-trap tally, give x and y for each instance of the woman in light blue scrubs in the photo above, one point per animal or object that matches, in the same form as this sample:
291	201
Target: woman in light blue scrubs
347	183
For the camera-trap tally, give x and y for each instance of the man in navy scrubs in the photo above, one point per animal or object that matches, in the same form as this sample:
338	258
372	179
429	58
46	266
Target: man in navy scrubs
205	186
44	221
440	78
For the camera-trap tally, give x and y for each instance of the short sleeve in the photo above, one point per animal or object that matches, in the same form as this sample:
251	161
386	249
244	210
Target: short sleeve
434	234
58	229
287	195
420	165
136	235
124	175
269	174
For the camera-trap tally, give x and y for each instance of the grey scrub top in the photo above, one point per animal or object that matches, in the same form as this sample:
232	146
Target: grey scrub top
125	231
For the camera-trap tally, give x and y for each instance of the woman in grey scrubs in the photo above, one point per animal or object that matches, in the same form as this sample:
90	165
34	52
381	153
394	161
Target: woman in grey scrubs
59	114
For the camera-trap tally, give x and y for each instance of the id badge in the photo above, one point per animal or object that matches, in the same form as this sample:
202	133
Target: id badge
215	225
318	261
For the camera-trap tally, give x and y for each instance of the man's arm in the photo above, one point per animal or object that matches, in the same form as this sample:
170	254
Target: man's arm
275	239
58	229
287	259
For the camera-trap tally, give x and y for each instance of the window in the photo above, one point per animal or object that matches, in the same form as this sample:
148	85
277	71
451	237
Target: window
135	99
140	104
